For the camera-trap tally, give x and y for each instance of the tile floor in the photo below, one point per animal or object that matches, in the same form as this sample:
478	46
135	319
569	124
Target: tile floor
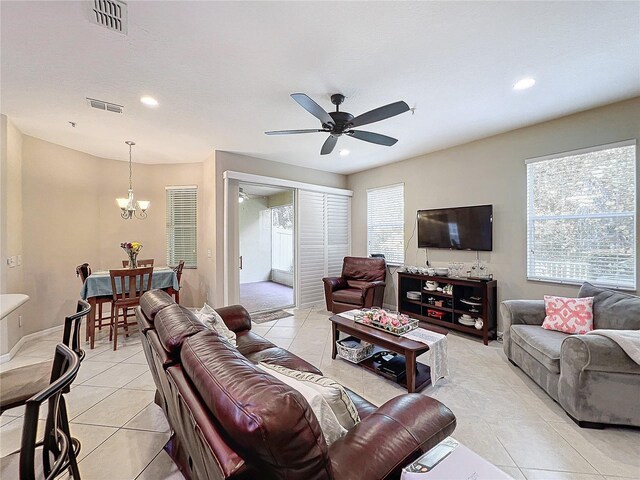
501	413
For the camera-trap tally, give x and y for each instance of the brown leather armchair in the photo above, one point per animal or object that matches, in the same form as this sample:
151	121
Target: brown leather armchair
361	285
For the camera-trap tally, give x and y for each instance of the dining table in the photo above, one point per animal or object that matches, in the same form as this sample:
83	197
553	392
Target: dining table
98	284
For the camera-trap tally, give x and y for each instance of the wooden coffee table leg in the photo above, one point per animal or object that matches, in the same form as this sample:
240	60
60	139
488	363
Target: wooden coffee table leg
410	359
335	334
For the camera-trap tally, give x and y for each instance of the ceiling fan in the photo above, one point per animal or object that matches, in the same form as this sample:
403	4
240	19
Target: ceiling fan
342	123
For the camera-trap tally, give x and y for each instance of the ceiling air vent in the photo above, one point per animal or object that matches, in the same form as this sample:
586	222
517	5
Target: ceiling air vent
110	14
102	105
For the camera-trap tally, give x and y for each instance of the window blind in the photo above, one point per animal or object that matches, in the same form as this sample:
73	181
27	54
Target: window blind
182	226
385	222
581	215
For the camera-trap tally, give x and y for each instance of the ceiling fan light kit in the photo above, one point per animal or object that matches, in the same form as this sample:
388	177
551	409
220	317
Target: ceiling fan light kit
340	123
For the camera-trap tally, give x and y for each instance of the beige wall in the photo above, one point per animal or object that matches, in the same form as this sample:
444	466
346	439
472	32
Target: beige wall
11	228
490	171
207	234
227	161
70	217
12	208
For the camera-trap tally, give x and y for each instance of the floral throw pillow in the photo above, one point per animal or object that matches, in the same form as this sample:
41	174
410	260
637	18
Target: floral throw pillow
568	315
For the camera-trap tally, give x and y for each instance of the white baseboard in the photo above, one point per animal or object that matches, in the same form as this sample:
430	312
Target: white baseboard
32	336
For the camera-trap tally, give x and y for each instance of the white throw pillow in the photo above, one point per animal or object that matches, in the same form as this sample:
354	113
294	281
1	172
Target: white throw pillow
210	318
334	393
331	428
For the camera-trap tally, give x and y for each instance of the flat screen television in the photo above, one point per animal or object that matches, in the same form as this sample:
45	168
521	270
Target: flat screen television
461	228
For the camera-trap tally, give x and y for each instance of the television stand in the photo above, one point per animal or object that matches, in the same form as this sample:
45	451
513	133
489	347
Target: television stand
471	296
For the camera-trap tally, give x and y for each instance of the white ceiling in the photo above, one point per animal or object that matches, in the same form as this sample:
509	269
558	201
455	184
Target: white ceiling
223	72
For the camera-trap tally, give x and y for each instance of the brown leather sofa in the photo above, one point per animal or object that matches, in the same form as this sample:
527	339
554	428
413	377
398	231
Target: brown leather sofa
231	420
361	285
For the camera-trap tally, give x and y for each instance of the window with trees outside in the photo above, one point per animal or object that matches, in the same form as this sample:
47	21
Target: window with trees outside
385	222
581	216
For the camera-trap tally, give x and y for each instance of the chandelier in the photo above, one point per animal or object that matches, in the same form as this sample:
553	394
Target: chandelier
129	206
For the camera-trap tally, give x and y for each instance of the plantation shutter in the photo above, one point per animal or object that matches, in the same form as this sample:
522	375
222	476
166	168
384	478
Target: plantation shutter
385	222
182	226
338	232
581	213
311	257
324	240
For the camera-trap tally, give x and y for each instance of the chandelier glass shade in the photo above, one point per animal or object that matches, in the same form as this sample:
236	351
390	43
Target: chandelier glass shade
129	206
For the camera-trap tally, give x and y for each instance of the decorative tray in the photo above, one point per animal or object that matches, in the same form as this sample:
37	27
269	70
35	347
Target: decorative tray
394	323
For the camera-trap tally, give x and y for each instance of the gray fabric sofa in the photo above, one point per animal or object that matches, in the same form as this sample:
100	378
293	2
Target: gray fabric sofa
590	376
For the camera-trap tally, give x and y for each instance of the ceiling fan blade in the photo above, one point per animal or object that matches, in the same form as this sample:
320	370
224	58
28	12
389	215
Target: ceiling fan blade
328	145
380	113
313	108
372	137
291	132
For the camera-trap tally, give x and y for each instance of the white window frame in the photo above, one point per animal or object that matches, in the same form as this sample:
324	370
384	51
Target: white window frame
172	260
398	257
530	219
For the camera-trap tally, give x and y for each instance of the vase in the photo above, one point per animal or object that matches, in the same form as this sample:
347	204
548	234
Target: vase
133	259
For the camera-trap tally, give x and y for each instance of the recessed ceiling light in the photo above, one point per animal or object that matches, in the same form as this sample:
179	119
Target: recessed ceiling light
524	83
149	101
344	152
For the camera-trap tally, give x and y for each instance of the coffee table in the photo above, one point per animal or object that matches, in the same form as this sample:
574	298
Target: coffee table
418	375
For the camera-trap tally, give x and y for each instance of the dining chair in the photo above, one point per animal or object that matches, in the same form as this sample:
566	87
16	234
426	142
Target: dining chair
141	263
83	271
171	291
20	384
127	286
59	449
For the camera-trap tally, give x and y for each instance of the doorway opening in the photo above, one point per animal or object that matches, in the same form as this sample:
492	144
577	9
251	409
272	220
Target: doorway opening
266	216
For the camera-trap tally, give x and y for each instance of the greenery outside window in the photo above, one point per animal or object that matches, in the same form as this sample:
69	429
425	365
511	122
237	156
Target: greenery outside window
581	216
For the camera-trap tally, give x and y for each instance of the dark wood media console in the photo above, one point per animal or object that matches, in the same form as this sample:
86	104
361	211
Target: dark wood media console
451	307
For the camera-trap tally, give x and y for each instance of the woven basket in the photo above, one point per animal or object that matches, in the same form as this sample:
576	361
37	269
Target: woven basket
357	354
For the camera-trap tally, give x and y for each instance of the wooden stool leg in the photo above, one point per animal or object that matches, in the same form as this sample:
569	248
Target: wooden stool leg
91	323
112	323
100	316
115	331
